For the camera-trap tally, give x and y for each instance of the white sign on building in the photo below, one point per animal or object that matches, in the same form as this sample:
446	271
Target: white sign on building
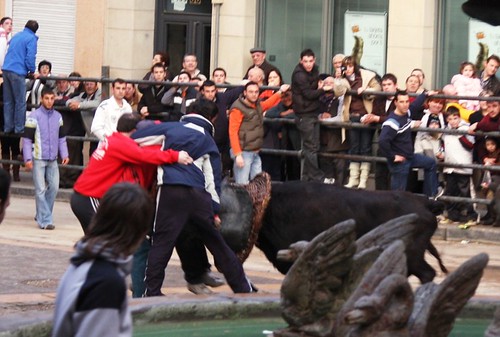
365	38
484	40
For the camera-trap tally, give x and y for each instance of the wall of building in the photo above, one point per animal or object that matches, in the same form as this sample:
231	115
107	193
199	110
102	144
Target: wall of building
236	37
411	34
128	37
89	37
120	34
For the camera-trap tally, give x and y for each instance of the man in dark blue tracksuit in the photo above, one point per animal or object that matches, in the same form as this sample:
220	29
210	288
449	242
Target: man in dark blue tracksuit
189	194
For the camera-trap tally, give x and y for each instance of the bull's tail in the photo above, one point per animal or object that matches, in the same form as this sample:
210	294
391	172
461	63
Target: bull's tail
434	252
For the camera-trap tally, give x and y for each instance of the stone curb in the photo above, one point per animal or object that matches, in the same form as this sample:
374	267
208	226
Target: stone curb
155	310
485	234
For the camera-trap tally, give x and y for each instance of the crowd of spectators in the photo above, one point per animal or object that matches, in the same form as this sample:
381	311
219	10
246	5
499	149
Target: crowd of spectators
313	101
223	133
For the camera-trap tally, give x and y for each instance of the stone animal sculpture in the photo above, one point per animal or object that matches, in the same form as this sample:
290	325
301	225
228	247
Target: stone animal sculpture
338	287
494	328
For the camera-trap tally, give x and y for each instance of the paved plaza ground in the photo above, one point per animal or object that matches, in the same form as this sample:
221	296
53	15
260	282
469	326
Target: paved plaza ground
33	260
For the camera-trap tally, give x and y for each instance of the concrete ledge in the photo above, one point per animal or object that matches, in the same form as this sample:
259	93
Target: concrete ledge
486	234
163	309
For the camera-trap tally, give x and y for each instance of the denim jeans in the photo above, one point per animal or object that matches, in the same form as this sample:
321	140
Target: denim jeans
14	102
400	171
360	139
252	167
46	180
139	269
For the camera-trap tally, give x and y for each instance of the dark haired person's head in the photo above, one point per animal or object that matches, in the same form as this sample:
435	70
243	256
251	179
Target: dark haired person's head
400	93
452	111
207	83
4	192
221	70
161	57
493	57
250	83
44	63
78	85
184	77
204	107
32	25
349	65
48	98
5	18
208	90
122	220
307	52
127	122
390	77
274	78
157	65
118	80
47	91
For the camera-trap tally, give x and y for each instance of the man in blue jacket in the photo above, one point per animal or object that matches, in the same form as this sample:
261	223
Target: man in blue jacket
19	62
396	145
189	193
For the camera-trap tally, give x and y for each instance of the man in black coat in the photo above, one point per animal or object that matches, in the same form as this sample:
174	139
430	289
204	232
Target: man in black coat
150	104
306	91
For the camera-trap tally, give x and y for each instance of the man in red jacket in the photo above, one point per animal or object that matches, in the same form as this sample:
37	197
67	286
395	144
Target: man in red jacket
119	159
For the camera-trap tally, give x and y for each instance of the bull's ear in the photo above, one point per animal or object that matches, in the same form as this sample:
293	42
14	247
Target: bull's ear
484	10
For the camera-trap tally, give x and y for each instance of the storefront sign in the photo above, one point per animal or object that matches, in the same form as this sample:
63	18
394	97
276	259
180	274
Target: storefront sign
365	38
189	6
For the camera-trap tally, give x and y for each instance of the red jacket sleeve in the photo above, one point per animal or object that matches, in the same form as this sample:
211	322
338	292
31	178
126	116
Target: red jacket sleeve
134	154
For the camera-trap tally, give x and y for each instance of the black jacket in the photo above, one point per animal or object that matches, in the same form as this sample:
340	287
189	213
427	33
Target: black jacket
305	90
151	98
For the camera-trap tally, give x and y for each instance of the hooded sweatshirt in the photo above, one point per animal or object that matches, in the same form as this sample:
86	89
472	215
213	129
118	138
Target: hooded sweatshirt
91	298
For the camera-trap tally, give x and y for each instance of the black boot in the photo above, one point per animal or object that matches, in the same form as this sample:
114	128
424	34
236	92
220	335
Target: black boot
15	173
6	166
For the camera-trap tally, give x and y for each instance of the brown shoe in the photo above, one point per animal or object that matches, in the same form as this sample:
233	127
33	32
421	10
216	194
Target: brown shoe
199	289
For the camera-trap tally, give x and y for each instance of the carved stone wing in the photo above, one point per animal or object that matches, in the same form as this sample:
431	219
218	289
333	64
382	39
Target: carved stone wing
494	327
391	261
437	306
400	228
309	288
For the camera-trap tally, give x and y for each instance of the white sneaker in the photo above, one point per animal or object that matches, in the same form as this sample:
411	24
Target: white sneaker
329	181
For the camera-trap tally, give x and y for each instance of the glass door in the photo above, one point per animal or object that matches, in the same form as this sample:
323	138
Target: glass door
184	28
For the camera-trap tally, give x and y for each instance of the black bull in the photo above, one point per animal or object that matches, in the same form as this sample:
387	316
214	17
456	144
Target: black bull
299	211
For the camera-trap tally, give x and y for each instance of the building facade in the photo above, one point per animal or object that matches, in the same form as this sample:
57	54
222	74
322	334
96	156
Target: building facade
121	35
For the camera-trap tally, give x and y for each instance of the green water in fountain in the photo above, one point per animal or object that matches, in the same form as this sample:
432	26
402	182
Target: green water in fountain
258	327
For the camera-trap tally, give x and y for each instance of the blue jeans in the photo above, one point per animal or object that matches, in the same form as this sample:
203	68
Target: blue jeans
400	171
46	180
14	102
252	167
360	139
139	269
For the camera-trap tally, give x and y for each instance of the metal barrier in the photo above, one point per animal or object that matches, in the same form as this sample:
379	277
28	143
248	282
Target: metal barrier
289	121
